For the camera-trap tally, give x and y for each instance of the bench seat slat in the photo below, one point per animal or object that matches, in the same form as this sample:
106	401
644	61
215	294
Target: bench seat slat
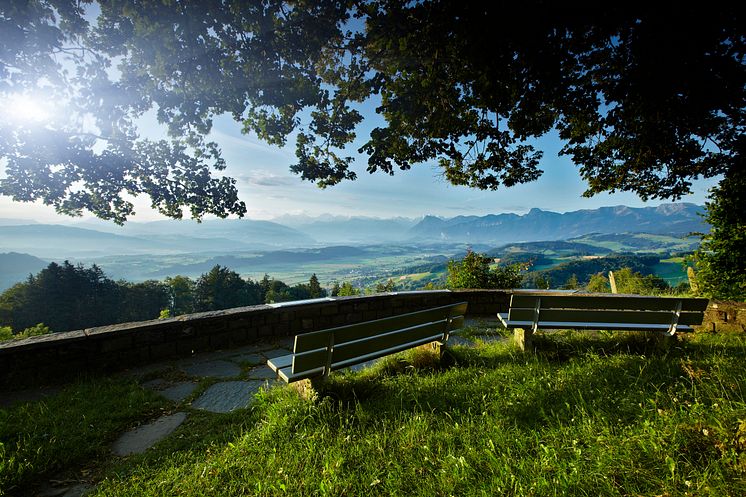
385	352
610	301
456	323
280	362
288	376
560	325
605	316
372	345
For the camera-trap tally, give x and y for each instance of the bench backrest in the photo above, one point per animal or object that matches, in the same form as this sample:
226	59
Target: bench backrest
607	309
337	348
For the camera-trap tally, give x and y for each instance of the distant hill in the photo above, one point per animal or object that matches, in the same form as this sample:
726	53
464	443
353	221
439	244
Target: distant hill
356	229
539	225
56	241
160	237
15	267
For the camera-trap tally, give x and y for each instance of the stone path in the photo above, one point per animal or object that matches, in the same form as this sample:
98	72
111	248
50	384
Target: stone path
142	438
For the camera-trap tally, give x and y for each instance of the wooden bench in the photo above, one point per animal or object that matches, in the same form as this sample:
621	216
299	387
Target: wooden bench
529	313
317	353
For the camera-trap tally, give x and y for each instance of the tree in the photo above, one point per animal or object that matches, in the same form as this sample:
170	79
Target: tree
347	290
646	96
314	288
335	289
222	288
632	282
598	284
143	301
181	295
65	297
571	283
721	258
389	286
474	271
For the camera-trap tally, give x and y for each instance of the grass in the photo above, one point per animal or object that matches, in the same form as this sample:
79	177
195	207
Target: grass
69	429
601	415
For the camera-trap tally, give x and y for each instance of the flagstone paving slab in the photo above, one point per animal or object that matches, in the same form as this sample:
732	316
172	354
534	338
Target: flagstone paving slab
250	358
179	391
227	396
271	354
213	369
262	373
143	437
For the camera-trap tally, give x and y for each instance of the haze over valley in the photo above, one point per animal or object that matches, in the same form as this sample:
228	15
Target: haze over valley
360	249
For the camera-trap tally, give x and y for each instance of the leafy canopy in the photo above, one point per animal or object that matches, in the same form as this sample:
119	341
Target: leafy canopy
646	96
475	271
721	259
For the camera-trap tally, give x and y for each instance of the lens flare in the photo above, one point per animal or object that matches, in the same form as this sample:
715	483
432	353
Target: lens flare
26	108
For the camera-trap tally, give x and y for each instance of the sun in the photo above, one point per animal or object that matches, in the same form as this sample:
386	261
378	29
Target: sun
22	107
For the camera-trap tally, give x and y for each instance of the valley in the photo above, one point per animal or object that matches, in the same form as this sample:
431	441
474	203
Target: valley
363	251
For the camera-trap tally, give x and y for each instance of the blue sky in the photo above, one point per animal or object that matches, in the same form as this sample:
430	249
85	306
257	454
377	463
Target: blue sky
271	190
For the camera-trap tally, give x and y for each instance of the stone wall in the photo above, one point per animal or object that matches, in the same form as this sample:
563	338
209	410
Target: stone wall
109	348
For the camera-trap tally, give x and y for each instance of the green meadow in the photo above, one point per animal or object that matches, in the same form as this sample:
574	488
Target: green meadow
607	414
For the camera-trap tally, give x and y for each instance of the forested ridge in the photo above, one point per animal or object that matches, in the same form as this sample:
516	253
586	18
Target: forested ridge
68	297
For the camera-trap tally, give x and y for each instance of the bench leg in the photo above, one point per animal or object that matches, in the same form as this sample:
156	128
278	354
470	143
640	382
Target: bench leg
523	338
664	341
310	388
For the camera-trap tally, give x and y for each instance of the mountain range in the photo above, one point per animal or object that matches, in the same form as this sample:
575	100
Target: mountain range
539	225
98	238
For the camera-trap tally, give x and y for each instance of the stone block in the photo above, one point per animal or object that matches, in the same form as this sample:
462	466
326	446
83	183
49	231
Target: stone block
370	315
116	342
265	331
242	323
307	324
220	340
309	312
354	317
163	350
147	337
361	306
193	345
330	310
238	336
